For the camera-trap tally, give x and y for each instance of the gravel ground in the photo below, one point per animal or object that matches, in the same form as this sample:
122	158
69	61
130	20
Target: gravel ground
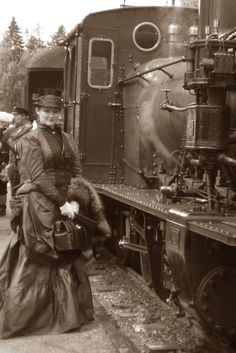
149	323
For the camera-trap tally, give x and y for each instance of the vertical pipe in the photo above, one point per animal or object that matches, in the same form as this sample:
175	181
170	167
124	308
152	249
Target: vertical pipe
65	88
212	10
65	98
75	79
204	16
209	188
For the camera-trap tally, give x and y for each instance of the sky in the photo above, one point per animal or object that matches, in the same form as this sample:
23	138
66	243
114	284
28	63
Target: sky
48	15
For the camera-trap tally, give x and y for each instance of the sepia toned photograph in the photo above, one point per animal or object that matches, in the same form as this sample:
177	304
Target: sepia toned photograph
118	176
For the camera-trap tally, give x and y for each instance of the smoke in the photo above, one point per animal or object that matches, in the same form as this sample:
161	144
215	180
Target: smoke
148	126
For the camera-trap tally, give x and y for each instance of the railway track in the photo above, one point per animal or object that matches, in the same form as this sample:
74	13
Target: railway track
130	314
148	323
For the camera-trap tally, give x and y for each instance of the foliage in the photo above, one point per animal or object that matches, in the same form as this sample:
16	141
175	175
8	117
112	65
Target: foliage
12	82
34	42
57	36
13	41
15	56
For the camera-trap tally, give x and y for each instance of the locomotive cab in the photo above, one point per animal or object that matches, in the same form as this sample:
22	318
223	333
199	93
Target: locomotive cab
102	52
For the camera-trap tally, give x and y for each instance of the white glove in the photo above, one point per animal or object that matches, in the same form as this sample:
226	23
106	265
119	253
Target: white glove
74	206
67	210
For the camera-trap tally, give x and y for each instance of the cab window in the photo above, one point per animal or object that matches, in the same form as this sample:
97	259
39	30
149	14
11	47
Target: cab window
100	63
146	36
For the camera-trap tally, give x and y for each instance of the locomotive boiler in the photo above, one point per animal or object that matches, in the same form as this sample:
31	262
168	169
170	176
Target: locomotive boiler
149	94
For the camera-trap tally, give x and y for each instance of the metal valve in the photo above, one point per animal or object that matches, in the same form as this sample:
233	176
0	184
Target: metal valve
166	91
165	105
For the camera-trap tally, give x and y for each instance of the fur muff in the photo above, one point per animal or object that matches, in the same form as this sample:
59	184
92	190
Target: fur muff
90	205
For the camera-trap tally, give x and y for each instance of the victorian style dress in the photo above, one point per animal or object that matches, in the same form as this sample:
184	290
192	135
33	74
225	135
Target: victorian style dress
41	289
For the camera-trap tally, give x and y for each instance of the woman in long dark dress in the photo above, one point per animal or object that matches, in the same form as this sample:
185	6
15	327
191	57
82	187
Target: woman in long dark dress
42	291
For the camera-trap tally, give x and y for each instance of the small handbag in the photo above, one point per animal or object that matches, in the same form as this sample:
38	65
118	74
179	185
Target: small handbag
70	235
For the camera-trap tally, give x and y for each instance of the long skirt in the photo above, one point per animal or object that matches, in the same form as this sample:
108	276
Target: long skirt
38	298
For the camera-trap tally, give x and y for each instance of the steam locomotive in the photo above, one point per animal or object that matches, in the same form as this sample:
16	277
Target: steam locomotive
150	96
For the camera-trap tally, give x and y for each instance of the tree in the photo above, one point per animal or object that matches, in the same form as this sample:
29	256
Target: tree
57	36
14	59
11	76
34	41
12	82
13	42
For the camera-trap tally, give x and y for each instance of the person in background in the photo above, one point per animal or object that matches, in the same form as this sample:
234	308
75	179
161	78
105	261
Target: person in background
43	290
4	158
21	125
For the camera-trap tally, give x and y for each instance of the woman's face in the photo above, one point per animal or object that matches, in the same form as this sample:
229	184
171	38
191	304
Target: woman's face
60	121
48	116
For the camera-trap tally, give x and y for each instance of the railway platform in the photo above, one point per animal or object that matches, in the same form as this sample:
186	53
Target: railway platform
100	336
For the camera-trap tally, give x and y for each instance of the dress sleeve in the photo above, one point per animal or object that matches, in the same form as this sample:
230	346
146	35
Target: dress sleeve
76	169
31	167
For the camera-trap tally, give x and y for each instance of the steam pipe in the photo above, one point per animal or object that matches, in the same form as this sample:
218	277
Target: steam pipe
160	67
167	73
227	36
171	108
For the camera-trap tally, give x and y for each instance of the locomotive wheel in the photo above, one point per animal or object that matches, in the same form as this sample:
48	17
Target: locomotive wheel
146	272
215	302
145	269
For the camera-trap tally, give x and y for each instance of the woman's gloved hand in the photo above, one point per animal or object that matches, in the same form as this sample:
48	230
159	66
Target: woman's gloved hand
75	206
67	210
